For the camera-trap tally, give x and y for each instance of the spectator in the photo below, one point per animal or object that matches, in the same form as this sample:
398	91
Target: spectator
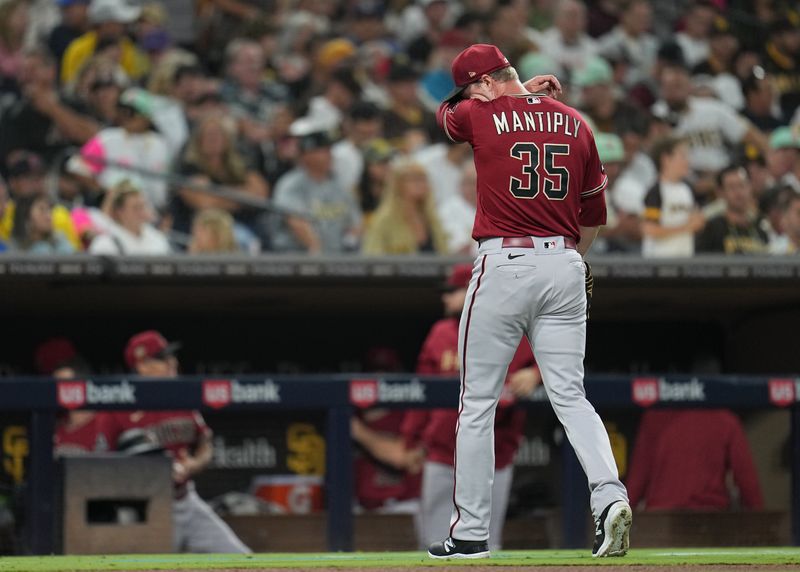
631	40
252	98
506	28
406	221
607	109
212	233
759	95
789	241
783	158
622	231
109	19
327	110
782	61
671	217
135	150
362	125
604	16
378	155
323	215
41	121
682	460
185	435
33	231
709	126
443	163
698	20
719	70
567	42
436	81
438	18
74	23
211	158
458	212
127	225
13	23
739	230
98	88
26	180
407	123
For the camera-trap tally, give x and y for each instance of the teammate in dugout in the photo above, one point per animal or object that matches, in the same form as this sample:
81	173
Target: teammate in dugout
185	435
435	429
540	203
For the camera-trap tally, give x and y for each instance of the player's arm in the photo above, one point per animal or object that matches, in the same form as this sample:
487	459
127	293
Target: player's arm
304	233
387	449
655	230
588	234
454	119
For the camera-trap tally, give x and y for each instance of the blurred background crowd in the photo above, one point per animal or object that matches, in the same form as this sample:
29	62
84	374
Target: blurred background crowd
216	126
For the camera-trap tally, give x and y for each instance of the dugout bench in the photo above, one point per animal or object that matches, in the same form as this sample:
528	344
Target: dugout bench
337	395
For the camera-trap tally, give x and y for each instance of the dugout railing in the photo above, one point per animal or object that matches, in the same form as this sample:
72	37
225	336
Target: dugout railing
338	396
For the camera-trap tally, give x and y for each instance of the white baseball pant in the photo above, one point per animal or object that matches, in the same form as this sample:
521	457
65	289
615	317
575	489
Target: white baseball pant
538	292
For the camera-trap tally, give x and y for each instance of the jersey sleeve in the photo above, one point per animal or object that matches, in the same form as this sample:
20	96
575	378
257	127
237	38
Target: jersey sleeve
596	179
455	120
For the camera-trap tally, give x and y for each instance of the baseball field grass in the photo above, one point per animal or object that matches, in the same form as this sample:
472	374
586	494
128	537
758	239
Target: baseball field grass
668	558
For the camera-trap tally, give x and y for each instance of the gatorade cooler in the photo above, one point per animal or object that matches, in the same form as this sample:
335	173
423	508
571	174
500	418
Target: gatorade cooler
290	494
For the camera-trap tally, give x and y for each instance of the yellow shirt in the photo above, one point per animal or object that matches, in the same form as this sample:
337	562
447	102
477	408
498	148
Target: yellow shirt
133	61
62	222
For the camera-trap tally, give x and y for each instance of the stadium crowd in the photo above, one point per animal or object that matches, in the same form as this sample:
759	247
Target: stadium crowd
215	126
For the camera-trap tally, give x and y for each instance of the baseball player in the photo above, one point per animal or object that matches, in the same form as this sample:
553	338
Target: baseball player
80	432
196	527
435	429
540	203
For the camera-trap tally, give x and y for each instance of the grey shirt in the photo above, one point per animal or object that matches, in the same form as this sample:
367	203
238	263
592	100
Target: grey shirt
332	207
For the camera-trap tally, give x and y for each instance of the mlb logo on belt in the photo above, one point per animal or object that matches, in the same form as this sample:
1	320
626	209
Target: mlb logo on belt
363	392
216	393
644	391
781	392
549	243
71	394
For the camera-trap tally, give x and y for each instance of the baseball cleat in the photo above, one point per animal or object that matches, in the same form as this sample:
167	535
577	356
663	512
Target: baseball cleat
612	535
452	548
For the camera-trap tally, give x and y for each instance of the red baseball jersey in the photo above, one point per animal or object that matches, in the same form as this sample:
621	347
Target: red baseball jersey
376	483
436	428
538	169
94	436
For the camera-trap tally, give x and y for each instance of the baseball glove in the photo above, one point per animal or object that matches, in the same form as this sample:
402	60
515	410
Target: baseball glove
589	285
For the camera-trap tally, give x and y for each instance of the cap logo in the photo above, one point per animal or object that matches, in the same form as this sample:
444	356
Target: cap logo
140	352
472	74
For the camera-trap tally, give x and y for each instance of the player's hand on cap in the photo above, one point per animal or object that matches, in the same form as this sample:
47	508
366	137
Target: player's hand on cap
548	84
522	382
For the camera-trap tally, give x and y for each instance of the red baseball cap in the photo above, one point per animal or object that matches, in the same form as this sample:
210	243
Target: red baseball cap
459	277
472	63
52	354
148	344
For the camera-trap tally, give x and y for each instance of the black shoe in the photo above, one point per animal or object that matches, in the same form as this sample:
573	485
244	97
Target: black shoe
452	548
612	532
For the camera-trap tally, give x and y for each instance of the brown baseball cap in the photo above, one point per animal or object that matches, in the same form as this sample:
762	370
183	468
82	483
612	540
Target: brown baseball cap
472	63
148	344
